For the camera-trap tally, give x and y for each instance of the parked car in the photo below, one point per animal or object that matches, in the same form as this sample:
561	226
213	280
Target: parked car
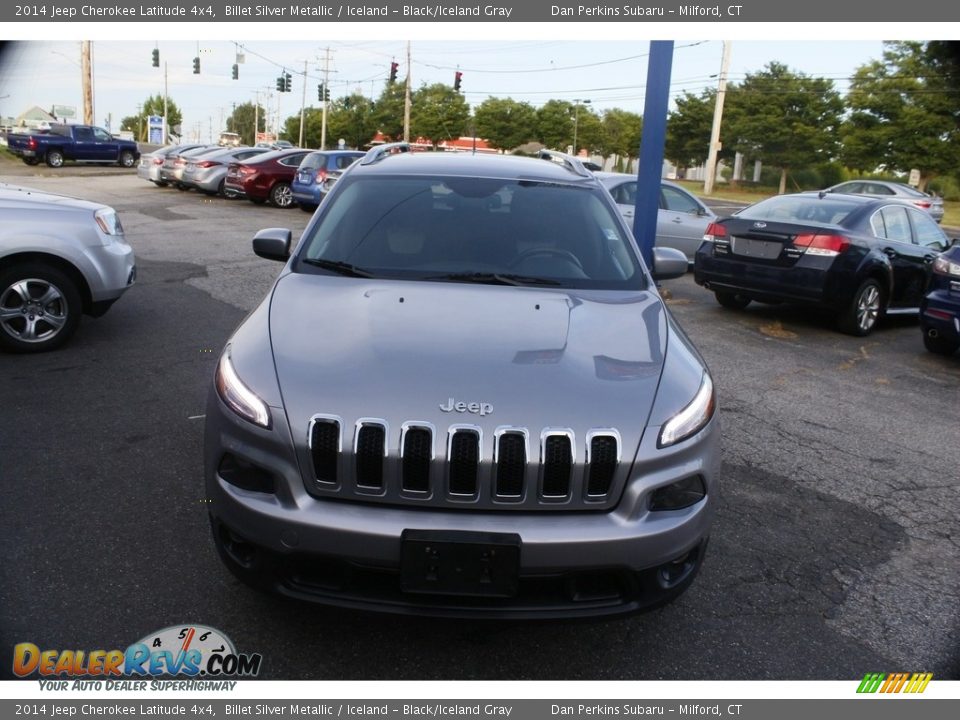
208	172
940	309
931	203
59	258
82	143
152	163
463	396
265	177
317	173
860	257
681	220
171	172
281	145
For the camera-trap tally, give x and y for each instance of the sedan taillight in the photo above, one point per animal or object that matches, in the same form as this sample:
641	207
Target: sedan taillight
207	164
827	245
922	204
714	231
321	176
158	161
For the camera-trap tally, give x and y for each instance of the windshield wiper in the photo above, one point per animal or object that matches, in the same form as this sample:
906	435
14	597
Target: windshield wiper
339	267
486	278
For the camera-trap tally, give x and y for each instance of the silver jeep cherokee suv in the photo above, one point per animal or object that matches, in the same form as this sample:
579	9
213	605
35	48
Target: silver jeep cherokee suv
464	396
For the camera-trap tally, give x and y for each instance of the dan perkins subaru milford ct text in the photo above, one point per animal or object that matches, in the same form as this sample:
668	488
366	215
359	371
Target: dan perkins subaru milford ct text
384	11
464	396
584	11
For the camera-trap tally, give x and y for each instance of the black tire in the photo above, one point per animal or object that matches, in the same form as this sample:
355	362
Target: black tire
863	313
31	160
127	159
182	188
160	183
257	201
940	345
307	207
221	188
54	158
281	196
733	301
50	311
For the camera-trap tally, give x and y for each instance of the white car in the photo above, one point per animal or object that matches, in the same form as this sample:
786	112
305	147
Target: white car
59	258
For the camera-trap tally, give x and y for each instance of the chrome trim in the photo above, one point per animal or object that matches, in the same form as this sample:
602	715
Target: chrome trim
451	431
591	434
497	434
571	438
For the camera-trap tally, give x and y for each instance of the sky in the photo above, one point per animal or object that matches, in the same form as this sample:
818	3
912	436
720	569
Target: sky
599	62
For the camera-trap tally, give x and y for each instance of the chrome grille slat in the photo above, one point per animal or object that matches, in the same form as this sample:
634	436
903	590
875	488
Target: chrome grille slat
555	469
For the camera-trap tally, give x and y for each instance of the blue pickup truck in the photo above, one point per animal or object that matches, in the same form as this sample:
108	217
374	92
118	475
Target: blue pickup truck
82	143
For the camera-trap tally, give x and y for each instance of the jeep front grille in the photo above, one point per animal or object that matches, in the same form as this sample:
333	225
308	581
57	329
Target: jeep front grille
514	470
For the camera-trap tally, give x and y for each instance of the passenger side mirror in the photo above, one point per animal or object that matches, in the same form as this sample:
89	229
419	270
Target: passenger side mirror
273	244
668	263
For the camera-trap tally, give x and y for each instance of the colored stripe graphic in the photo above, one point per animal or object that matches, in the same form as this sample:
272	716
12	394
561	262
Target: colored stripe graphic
895	682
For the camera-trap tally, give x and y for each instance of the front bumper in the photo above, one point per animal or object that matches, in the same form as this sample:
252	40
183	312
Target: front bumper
348	553
113	271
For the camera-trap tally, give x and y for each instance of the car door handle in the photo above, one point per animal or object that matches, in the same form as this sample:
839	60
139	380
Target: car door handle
890	252
927	259
677	220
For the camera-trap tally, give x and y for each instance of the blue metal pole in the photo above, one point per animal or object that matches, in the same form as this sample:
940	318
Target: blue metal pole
652	141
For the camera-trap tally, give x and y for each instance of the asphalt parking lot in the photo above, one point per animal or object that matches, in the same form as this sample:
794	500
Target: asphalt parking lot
836	548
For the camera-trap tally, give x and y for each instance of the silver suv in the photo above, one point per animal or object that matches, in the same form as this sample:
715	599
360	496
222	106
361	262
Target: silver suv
464	396
59	258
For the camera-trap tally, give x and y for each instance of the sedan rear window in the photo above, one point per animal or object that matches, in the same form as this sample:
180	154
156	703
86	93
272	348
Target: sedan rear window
443	228
830	210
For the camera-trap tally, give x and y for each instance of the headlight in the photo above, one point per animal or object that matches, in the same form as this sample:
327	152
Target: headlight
109	221
238	396
943	266
692	418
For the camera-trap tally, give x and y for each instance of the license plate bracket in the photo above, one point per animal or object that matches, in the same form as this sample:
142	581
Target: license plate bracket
460	563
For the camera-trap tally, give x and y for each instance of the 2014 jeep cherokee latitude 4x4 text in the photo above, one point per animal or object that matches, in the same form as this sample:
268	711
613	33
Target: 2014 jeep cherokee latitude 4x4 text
464	396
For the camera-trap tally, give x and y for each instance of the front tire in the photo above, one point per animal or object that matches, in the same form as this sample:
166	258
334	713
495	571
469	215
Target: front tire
54	158
864	311
732	301
281	195
40	308
31	160
307	207
127	159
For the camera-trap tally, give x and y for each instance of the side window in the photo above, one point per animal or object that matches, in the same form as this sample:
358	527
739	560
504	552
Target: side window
873	189
625	194
83	133
345	161
876	224
897	224
292	160
101	135
849	188
927	232
679	201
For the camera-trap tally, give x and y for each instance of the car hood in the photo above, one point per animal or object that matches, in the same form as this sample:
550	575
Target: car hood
14	197
531	358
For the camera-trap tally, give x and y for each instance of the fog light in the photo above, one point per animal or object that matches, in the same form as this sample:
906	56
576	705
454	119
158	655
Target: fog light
244	474
678	495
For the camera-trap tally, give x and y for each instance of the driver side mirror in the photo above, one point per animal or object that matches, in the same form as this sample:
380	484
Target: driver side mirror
273	244
668	263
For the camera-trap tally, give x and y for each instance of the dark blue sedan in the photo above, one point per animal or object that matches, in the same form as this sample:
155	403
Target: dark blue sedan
317	172
940	310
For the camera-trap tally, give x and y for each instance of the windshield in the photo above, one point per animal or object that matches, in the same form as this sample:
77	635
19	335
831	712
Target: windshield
460	229
807	209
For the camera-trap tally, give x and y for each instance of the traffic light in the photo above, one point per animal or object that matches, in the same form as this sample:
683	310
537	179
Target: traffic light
196	66
393	71
326	94
280	84
236	71
287	85
320	92
156	57
456	80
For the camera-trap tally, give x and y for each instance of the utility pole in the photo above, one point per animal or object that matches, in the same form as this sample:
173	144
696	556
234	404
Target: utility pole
406	101
256	115
717	119
86	77
303	103
326	89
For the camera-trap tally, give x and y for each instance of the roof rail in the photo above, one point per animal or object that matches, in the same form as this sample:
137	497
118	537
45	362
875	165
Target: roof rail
379	153
568	161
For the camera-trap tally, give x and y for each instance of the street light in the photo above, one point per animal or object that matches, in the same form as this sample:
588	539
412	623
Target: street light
576	120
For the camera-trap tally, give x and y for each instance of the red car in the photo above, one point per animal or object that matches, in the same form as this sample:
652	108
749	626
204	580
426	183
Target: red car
265	177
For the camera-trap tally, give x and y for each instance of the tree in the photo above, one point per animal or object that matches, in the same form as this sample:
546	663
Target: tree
905	111
688	129
621	134
555	124
153	105
352	118
439	112
505	123
786	119
241	122
388	110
